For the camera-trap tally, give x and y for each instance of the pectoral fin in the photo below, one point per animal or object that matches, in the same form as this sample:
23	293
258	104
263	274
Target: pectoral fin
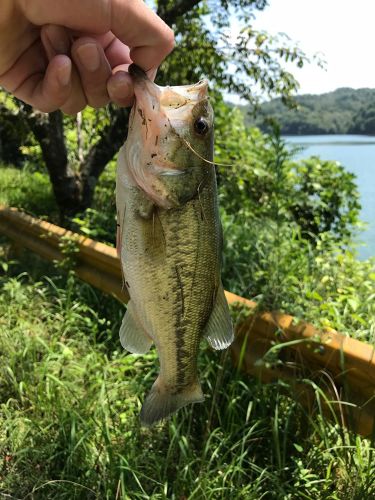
219	328
145	207
133	338
152	234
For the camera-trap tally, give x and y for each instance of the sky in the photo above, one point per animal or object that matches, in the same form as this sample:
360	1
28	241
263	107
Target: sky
342	31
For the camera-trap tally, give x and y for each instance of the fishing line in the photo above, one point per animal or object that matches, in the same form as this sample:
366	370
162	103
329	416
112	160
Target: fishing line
204	159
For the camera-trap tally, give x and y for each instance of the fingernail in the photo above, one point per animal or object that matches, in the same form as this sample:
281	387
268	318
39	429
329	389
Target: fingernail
89	56
64	73
120	88
120	82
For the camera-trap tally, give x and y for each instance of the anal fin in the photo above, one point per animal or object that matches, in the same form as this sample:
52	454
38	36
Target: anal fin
219	328
133	338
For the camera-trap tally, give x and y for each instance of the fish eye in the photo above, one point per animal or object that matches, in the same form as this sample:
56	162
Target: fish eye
201	126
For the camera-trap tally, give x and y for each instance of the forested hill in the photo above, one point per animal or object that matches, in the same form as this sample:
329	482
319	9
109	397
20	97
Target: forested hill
344	111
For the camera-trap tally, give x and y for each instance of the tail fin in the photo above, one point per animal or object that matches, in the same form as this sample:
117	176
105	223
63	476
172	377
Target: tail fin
160	402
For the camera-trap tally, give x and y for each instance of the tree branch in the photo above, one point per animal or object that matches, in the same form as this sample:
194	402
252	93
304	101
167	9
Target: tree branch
48	130
179	8
110	140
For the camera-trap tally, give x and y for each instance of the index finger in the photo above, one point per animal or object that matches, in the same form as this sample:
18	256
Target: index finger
135	24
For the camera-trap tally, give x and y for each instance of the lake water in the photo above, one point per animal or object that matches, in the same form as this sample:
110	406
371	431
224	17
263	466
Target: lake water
357	154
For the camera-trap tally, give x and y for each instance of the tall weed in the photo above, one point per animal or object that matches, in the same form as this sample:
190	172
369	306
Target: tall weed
70	401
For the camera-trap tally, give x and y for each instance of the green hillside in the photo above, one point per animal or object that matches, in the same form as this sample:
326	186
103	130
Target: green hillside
344	111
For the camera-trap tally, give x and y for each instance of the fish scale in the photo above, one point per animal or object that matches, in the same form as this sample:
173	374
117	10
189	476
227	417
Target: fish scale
184	236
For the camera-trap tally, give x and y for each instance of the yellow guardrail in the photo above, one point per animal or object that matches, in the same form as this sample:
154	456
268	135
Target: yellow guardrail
344	368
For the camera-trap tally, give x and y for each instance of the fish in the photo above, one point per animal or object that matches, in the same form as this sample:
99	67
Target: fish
170	238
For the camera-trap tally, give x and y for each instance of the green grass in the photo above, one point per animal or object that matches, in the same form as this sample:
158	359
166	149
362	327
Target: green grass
27	189
31	191
70	400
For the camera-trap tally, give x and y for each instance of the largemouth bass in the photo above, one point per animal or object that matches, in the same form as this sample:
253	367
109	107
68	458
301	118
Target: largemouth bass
170	239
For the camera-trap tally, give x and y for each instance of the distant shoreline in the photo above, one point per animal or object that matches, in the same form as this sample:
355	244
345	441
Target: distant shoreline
342	112
326	134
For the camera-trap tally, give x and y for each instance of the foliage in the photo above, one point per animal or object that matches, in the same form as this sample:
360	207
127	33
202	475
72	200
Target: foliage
32	192
344	111
82	131
260	179
281	270
14	133
70	401
364	119
325	199
99	222
28	190
287	228
339	291
232	55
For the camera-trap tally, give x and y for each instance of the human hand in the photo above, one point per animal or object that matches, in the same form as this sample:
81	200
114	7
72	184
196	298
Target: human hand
65	54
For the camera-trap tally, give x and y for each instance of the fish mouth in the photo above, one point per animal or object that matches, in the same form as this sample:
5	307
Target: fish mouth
146	107
137	73
143	86
169	98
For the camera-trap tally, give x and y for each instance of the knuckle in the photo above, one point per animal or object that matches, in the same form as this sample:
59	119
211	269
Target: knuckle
96	98
43	108
98	103
44	104
73	109
169	40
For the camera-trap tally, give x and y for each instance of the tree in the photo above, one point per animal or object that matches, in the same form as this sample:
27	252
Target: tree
74	182
247	64
14	132
364	120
